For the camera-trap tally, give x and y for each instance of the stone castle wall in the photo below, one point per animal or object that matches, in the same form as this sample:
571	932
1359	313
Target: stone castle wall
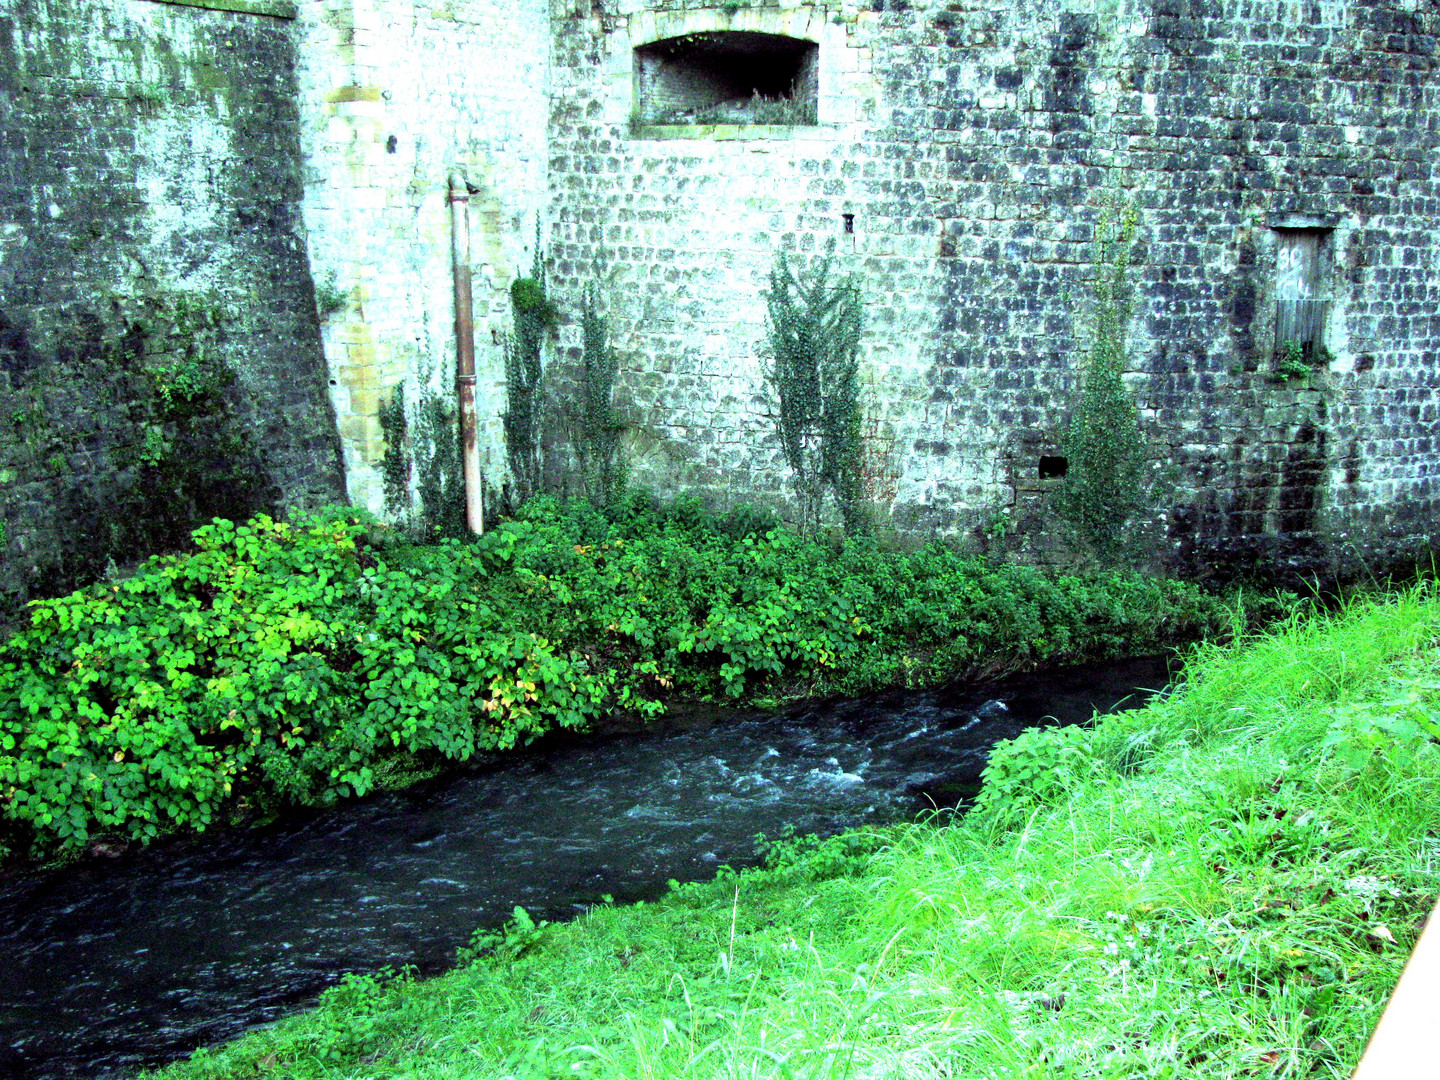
279	159
975	146
150	194
258	182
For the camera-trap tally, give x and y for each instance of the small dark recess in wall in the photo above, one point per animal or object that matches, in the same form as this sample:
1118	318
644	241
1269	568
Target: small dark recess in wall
1053	468
727	77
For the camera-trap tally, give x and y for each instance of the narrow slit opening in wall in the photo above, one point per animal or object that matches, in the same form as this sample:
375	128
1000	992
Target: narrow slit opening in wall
1053	467
1302	302
727	77
847	223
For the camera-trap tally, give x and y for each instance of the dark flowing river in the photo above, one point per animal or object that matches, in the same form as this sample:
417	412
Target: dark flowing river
111	965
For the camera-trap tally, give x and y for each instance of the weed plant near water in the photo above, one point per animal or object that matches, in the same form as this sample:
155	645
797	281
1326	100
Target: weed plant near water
1203	888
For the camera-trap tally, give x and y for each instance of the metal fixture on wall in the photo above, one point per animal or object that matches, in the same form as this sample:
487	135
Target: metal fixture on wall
465	353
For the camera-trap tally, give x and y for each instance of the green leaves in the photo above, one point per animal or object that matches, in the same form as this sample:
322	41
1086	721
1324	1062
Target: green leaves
815	330
534	317
267	665
598	425
1401	727
1106	485
1034	768
288	662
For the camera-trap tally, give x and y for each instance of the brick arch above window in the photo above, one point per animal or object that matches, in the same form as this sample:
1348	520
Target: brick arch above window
652	26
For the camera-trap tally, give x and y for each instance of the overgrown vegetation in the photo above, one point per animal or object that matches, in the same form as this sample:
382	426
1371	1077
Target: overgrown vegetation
814	329
1210	887
330	298
395	464
423	441
1106	487
441	477
599	426
430	448
534	317
293	663
790	109
1297	359
1290	362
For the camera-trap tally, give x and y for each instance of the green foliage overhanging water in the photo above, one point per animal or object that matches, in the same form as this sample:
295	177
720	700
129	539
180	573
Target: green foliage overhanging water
302	662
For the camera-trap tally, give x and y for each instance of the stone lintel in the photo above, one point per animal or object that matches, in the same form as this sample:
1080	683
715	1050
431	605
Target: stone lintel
1290	219
354	93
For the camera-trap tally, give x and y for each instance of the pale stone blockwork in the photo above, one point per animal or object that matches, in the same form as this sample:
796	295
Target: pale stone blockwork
972	149
396	95
959	161
687	249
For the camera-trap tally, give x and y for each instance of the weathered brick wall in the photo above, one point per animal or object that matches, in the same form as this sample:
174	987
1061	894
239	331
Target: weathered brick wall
681	234
395	96
154	156
975	147
150	186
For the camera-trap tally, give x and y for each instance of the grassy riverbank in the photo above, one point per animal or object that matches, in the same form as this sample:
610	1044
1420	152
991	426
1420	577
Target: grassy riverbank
304	662
1223	884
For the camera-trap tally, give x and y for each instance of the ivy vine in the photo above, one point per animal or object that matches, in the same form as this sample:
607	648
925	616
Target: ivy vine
814	331
598	447
430	450
534	317
1107	483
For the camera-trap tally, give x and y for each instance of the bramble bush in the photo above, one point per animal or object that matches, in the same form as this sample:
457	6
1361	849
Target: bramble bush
287	662
280	659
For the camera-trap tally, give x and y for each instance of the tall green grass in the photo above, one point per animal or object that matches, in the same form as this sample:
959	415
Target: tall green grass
1223	884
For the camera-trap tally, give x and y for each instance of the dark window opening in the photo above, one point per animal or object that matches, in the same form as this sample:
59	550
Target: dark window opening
847	222
1302	301
727	77
1052	468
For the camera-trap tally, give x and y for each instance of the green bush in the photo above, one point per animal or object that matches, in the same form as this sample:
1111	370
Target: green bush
1035	768
279	659
288	662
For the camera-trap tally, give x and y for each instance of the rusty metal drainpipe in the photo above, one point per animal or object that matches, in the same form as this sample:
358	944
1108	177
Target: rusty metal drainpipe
465	353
